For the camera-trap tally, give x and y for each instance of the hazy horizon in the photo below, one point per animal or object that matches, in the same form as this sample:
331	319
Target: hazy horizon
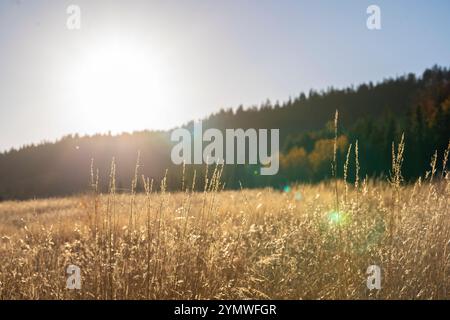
172	62
202	117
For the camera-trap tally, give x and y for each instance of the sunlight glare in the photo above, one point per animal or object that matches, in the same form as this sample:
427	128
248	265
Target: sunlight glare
119	85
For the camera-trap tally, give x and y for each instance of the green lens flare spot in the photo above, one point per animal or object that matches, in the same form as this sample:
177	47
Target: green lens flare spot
337	217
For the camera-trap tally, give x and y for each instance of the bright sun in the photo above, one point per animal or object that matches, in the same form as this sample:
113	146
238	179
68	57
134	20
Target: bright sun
117	84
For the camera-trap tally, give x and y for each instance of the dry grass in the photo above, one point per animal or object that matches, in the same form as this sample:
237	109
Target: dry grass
231	244
307	243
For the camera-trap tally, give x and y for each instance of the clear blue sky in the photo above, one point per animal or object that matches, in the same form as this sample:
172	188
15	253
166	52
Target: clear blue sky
157	64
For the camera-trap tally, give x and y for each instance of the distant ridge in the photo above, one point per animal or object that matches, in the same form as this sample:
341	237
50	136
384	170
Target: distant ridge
376	114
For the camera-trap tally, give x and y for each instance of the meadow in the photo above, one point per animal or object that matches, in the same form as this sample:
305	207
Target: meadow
304	242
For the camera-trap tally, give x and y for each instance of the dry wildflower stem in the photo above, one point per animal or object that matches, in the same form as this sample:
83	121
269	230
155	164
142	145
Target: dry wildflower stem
256	244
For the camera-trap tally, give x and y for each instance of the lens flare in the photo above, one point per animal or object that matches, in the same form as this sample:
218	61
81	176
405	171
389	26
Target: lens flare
337	218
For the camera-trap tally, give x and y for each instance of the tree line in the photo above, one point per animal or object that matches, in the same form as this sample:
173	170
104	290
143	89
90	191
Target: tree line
374	115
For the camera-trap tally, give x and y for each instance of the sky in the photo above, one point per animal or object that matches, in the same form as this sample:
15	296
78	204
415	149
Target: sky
136	65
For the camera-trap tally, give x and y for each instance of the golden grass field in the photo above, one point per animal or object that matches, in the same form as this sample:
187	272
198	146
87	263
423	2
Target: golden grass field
308	242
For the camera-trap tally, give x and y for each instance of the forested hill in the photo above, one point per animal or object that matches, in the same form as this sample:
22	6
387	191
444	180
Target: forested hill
373	114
